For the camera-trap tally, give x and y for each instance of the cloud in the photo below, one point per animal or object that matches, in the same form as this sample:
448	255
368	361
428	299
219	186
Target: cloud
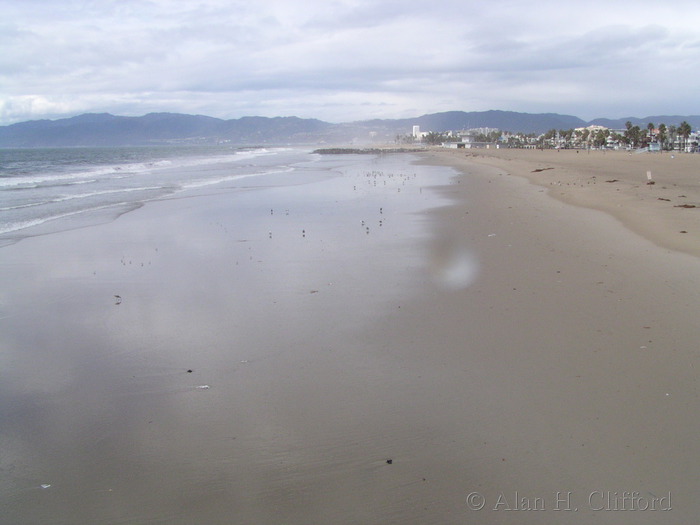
345	58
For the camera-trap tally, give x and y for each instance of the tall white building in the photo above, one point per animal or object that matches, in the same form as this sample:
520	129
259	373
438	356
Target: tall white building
416	132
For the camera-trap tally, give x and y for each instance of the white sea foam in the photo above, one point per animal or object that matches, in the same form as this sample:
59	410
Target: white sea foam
64	198
220	180
30	200
13	227
104	192
20	206
121	170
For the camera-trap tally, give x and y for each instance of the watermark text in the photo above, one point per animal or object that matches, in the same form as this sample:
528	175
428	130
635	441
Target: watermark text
568	501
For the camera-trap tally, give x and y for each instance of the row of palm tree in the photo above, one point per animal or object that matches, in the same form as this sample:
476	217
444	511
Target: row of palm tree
665	136
633	136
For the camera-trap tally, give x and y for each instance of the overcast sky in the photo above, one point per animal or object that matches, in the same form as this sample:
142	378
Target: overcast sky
346	60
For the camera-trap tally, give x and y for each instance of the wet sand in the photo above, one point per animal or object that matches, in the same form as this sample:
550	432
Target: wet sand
504	345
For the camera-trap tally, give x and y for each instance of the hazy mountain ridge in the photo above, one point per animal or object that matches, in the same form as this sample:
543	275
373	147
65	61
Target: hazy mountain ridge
503	120
104	129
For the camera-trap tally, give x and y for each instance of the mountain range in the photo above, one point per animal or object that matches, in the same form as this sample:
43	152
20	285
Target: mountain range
104	129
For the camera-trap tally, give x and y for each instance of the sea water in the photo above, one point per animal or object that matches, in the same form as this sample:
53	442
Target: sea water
45	190
210	357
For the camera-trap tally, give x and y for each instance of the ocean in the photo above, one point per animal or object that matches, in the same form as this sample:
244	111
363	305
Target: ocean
226	350
43	190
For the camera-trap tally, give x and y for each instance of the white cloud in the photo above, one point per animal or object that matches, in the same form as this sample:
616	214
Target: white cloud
347	59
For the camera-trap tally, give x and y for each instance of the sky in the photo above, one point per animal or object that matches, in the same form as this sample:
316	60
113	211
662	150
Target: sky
348	60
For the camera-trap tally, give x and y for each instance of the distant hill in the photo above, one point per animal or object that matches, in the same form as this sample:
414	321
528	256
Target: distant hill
503	120
103	129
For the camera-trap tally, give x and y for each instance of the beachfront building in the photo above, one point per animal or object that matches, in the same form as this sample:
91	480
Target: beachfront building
594	136
694	142
589	137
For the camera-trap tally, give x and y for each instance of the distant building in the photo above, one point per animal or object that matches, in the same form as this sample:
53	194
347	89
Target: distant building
478	131
592	128
418	134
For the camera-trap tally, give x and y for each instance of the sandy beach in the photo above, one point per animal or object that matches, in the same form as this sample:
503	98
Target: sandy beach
656	195
497	337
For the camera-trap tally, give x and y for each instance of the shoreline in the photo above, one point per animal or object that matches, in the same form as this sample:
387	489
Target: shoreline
666	212
311	368
575	334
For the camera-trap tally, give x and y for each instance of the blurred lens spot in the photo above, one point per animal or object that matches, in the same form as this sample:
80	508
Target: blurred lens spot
453	266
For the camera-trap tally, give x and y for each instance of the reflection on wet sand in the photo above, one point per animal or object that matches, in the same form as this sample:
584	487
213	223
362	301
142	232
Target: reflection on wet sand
195	359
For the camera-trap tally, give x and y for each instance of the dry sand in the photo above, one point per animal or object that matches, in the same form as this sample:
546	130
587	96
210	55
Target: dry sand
529	354
656	195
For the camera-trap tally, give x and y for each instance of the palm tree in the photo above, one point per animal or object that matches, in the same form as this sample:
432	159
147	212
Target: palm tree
584	137
650	127
662	135
672	133
633	135
617	138
601	138
684	131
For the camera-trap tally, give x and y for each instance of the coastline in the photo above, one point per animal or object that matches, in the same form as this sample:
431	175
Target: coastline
572	353
502	342
666	212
